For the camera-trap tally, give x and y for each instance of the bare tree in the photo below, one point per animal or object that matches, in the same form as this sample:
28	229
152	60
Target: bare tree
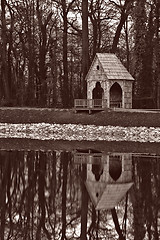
85	46
4	67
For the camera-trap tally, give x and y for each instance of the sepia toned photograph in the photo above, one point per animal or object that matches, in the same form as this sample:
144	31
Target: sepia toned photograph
79	120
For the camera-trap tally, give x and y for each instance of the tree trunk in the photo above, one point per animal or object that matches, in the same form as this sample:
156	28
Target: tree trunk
43	48
42	67
123	18
127	45
65	90
4	52
140	46
85	46
118	32
30	98
157	51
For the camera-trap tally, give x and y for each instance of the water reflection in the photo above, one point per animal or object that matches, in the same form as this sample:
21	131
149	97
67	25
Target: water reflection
79	195
109	177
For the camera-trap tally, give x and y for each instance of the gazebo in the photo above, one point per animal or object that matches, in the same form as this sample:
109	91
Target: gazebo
109	84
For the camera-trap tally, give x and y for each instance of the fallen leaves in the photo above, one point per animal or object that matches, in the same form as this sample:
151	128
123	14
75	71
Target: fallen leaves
79	132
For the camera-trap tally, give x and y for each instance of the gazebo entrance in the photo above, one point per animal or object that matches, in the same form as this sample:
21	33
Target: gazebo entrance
97	91
116	96
97	95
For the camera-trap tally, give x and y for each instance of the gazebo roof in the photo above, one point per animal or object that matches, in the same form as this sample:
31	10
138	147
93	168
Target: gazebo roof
109	195
112	66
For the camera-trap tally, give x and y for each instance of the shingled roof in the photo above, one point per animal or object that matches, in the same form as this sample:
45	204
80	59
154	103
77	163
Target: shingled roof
112	66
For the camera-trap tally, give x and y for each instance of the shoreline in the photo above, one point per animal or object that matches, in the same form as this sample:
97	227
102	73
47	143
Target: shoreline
61	145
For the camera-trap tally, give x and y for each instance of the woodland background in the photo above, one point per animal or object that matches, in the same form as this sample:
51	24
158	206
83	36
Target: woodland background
46	48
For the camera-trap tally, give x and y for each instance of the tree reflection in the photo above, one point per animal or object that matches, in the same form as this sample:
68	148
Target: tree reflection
27	199
145	198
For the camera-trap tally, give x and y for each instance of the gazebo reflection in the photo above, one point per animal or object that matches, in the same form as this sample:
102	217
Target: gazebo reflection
109	176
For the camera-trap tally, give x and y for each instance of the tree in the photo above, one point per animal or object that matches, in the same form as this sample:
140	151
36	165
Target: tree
157	52
44	33
145	54
95	11
4	67
124	11
85	46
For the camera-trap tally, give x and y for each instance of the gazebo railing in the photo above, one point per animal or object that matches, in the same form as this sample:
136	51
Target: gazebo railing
116	104
90	103
96	103
81	103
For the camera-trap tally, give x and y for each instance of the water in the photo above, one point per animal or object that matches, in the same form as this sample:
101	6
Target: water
79	189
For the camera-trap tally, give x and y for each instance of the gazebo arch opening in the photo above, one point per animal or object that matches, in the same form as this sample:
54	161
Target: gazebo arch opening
98	91
115	167
116	95
97	96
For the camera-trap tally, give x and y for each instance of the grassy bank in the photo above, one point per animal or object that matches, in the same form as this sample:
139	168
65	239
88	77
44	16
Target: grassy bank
108	117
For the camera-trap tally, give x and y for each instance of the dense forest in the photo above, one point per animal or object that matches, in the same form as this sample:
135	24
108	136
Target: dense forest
43	197
46	48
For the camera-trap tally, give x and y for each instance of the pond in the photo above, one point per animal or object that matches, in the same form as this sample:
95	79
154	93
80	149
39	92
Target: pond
79	189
